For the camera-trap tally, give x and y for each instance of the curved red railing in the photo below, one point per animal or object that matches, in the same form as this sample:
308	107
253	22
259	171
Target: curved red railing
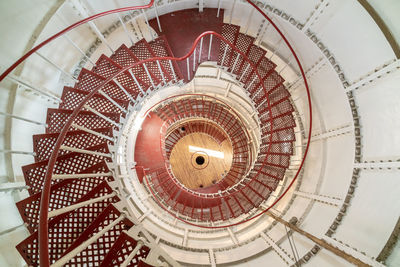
45	196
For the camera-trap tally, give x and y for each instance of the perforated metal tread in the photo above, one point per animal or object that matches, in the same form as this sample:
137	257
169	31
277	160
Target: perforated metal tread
106	67
64	229
121	250
56	119
62	194
89	80
243	43
124	57
96	252
70	163
72	97
43	144
143	51
230	32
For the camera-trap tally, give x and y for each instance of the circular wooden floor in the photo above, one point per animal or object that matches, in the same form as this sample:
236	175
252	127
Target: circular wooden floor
198	161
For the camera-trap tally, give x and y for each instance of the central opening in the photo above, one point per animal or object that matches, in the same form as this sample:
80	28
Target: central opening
200	160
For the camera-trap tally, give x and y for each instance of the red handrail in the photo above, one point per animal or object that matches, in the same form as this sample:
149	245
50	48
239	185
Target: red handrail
45	196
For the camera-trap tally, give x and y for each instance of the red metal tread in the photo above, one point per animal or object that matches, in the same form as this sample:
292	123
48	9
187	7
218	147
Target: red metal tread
230	32
62	194
72	97
43	144
243	43
56	119
143	51
64	229
161	48
121	249
106	67
96	252
89	80
124	57
71	163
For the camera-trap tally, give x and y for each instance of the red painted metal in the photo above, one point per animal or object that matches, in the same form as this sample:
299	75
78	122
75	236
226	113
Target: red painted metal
43	227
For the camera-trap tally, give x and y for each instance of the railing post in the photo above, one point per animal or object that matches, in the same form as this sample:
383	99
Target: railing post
158	20
148	25
102	116
125	29
112	101
188	67
161	72
209	47
219	8
233	7
194	60
56	66
100	35
124	90
201	48
223	57
148	75
173	71
92	132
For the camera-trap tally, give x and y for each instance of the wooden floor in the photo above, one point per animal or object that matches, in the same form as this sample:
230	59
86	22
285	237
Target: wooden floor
194	175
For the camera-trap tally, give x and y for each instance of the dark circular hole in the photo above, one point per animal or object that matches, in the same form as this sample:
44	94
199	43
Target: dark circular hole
214	181
200	160
183	129
201	186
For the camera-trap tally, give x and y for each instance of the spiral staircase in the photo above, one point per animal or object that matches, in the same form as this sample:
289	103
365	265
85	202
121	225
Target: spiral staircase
103	190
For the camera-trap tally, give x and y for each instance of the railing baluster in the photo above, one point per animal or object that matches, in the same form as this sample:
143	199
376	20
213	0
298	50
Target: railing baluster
80	175
234	64
188	68
223	57
209	47
148	75
194	60
100	35
158	20
148	25
219	8
201	48
172	69
125	29
124	90
128	260
112	101
161	71
102	116
92	132
244	72
84	151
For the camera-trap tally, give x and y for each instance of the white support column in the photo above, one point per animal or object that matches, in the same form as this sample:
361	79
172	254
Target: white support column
323	199
18	152
194	60
56	66
62	261
232	235
357	254
379	164
278	249
23	119
81	175
84	151
315	15
332	133
37	89
128	260
102	116
125	29
57	212
371	77
9	187
112	101
228	88
92	132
